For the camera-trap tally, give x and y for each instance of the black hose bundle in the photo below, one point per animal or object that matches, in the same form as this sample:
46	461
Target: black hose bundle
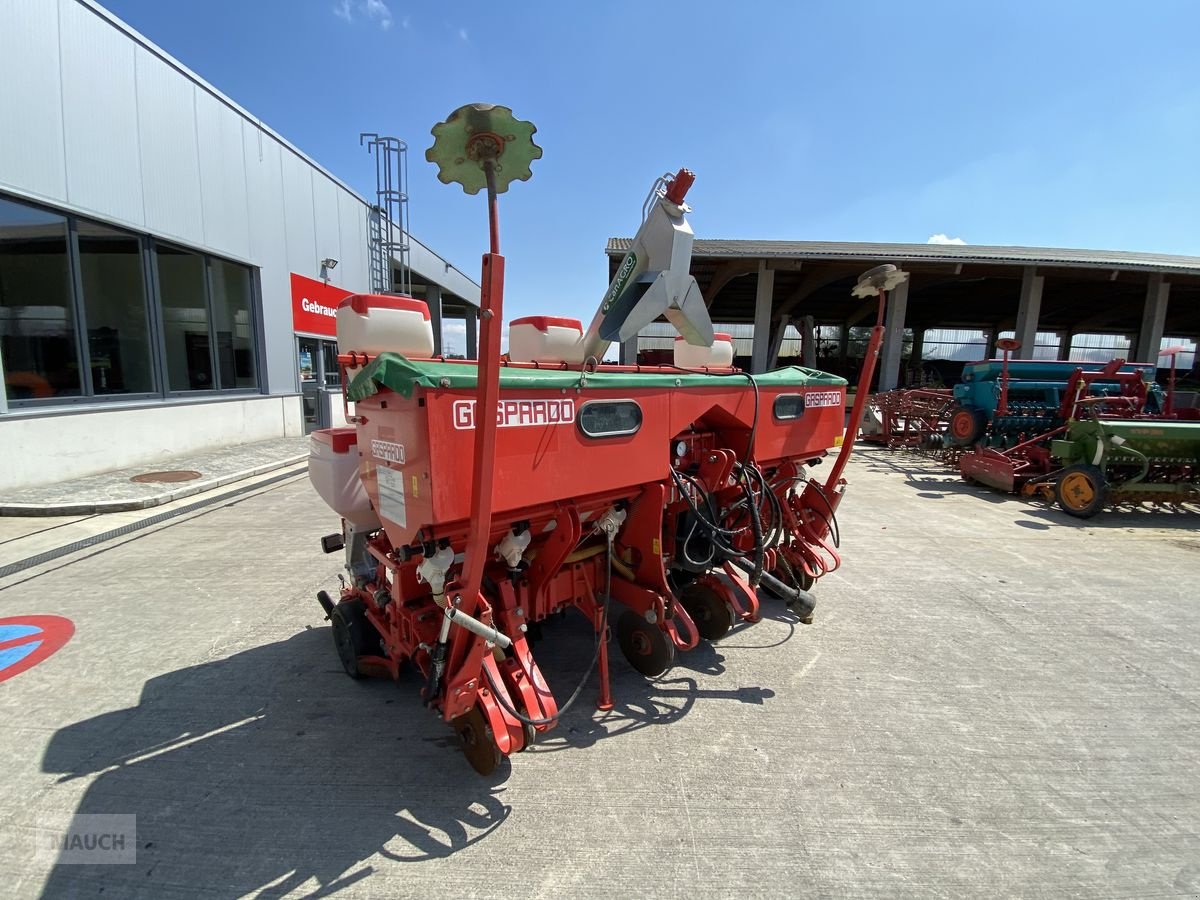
501	694
718	534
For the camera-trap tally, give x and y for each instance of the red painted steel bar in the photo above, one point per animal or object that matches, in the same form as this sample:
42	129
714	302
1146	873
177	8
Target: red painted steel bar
860	397
491	306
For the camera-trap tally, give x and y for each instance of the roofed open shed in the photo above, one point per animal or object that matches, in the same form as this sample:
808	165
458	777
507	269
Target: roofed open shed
1026	290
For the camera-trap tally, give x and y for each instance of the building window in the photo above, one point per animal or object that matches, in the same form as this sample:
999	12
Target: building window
233	324
37	320
87	310
114	308
208	321
184	298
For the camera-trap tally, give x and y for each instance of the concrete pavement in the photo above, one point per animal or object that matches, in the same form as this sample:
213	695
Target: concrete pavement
995	700
123	490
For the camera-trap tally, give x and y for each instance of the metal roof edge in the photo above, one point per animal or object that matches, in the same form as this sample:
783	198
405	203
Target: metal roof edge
949	253
151	47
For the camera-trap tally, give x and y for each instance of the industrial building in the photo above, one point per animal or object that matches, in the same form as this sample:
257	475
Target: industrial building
168	263
1061	304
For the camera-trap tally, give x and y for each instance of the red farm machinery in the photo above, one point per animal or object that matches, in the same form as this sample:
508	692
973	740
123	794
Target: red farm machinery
478	498
1085	435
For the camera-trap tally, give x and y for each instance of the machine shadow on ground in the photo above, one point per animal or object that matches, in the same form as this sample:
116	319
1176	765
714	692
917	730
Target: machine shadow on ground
266	769
638	702
271	767
1183	518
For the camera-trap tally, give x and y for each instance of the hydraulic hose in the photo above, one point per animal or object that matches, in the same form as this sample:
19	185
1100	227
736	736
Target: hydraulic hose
756	573
501	693
792	596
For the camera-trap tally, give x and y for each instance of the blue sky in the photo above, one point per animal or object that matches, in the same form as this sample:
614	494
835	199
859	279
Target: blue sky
1072	124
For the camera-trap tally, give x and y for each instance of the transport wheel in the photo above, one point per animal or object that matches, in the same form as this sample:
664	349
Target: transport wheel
1080	491
966	426
478	745
353	635
644	645
710	613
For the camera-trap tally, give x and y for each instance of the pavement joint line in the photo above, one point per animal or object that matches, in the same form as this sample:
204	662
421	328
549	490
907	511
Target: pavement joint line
50	555
112	506
22	537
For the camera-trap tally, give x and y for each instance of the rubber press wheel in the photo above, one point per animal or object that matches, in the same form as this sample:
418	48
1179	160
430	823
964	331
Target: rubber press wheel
478	743
1080	490
353	635
966	426
710	613
644	645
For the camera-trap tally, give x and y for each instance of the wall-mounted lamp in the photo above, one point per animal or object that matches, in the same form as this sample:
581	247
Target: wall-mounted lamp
328	264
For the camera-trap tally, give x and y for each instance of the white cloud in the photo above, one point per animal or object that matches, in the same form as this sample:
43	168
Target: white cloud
462	33
406	22
374	10
940	238
378	10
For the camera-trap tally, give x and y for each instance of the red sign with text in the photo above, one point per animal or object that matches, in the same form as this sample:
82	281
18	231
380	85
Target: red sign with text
314	305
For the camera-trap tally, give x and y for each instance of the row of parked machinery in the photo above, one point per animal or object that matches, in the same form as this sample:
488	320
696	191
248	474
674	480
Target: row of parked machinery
479	498
1086	435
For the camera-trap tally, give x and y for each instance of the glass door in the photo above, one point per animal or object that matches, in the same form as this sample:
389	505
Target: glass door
317	363
329	364
308	359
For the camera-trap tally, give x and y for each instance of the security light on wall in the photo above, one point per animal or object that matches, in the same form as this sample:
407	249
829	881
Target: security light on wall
329	263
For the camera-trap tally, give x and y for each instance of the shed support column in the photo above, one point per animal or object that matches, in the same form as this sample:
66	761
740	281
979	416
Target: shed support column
628	352
918	346
433	299
808	346
1154	316
1064	344
777	334
763	296
472	322
1029	311
893	338
4	391
990	338
844	345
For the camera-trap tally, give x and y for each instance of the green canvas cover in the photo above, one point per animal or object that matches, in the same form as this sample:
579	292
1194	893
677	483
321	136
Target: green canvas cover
391	370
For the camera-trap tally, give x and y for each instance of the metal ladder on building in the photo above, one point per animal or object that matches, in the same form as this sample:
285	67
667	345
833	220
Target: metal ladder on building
388	219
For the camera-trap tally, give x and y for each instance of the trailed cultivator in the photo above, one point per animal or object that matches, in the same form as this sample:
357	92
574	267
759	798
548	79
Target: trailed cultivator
913	419
480	498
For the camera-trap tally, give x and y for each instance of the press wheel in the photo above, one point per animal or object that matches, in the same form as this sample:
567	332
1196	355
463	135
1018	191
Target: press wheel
644	645
478	743
1080	491
530	734
707	609
804	581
